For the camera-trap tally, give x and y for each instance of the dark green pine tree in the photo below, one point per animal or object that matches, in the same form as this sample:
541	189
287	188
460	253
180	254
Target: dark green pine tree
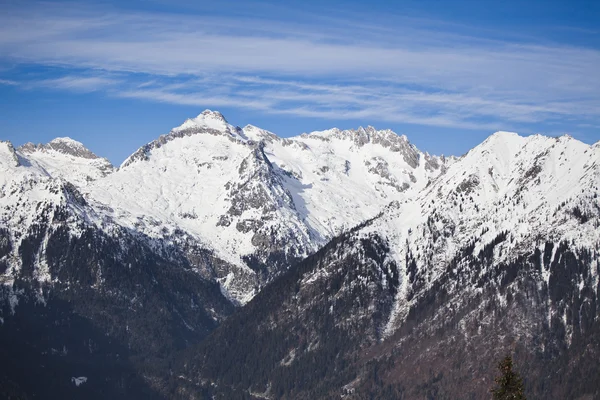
509	385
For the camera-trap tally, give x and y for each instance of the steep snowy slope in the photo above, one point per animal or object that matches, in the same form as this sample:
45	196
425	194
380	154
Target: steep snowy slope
35	179
454	251
27	195
537	189
73	283
499	254
205	182
341	178
67	158
41	214
37	185
258	201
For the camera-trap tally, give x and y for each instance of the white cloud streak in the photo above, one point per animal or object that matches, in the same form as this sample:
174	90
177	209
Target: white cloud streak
76	83
411	74
8	82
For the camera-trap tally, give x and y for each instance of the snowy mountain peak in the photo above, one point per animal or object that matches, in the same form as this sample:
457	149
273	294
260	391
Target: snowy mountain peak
505	134
72	147
503	144
513	136
565	138
67	141
64	145
207	119
65	158
368	130
362	134
209	114
369	137
257	134
509	143
8	156
208	122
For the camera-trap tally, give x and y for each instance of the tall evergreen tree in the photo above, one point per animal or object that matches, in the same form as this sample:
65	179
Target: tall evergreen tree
509	385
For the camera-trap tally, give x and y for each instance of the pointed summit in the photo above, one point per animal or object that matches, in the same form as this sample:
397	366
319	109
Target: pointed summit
206	119
501	142
66	141
257	134
8	156
207	122
66	158
505	134
216	115
72	147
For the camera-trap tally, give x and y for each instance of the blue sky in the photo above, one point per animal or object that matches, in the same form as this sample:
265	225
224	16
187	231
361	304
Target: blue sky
117	74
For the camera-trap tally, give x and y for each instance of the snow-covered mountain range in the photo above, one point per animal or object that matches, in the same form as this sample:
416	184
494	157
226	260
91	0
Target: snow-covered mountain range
533	190
500	253
212	206
257	201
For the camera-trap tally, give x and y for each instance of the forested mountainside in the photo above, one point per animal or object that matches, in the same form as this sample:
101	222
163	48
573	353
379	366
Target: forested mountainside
320	331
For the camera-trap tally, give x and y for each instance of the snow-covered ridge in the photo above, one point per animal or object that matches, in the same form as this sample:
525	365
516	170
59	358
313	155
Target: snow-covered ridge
8	155
68	159
362	136
257	201
517	192
207	122
207	118
63	145
247	194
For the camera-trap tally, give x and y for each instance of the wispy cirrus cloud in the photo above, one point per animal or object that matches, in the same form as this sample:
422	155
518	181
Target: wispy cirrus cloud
422	73
349	101
75	83
8	82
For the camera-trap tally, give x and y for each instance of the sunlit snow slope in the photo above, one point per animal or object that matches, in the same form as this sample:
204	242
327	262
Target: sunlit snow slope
259	201
510	194
254	203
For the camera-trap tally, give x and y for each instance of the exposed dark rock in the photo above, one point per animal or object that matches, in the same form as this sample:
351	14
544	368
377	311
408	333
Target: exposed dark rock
61	145
468	185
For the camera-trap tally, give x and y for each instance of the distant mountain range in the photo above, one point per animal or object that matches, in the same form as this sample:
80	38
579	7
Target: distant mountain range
359	266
